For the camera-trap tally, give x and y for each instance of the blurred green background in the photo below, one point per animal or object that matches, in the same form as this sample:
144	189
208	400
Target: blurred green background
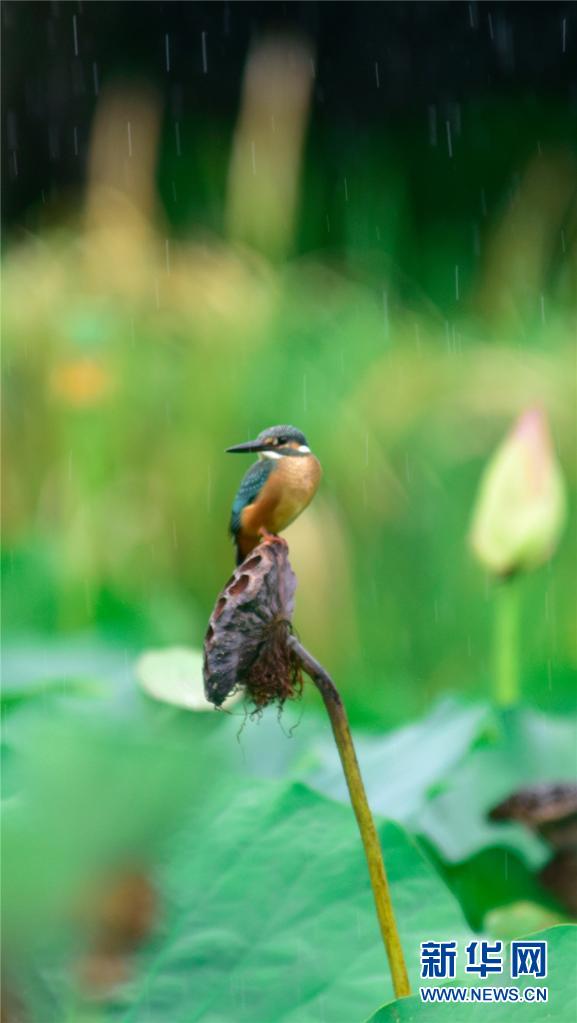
360	219
401	296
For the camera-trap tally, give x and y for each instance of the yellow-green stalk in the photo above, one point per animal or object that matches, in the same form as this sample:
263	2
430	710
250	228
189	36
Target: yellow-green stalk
366	824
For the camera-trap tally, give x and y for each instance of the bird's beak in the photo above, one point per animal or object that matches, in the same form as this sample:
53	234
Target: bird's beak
251	445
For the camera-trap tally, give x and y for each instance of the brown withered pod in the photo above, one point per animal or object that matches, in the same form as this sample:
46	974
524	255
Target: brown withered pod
249	644
550	810
246	643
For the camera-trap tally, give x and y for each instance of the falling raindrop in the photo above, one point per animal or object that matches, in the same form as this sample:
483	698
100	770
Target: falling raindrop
346	190
504	42
167	51
563	35
204	54
449	139
75	34
377	79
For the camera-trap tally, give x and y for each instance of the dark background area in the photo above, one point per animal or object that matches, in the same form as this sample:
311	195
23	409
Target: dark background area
376	62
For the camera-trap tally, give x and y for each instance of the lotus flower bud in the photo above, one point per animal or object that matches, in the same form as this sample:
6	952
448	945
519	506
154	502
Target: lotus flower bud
520	509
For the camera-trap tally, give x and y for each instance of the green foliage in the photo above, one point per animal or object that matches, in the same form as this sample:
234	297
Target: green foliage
401	770
268	912
526	748
130	362
273	915
498	892
265	911
441	776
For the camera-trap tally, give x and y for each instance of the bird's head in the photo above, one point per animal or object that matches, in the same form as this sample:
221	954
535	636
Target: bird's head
275	442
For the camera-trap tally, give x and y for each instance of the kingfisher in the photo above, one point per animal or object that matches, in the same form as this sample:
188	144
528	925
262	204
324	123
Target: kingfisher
276	489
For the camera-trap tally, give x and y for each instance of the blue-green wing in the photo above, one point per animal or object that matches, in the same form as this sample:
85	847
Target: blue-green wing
250	487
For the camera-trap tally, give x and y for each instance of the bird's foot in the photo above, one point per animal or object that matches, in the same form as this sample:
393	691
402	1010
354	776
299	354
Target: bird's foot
266	537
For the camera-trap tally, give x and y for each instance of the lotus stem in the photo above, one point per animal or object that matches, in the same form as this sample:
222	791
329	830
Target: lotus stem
506	650
366	824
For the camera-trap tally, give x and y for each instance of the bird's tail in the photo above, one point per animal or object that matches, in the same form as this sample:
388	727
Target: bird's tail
239	554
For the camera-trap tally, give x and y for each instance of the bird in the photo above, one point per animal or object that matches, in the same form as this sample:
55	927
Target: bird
276	489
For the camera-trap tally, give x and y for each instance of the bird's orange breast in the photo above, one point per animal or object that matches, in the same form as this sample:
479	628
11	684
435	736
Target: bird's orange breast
288	490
